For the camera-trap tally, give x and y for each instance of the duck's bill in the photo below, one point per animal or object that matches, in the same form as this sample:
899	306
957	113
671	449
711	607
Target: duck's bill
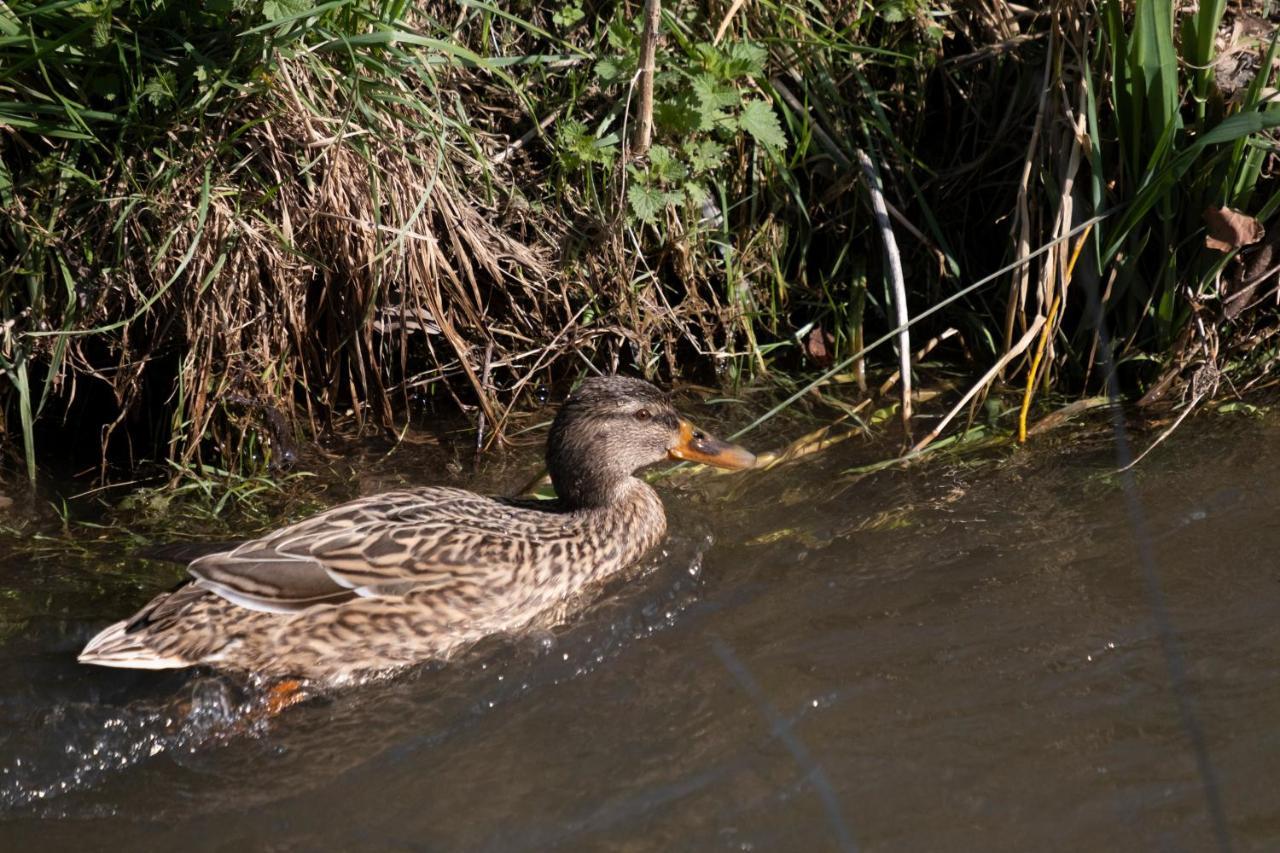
696	446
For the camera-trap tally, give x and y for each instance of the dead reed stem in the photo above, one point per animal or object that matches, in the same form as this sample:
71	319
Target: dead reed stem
1033	372
893	264
648	55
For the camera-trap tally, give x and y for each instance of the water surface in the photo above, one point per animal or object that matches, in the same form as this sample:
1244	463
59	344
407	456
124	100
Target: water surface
959	656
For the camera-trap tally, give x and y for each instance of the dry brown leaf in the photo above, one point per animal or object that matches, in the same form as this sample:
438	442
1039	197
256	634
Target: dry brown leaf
1230	229
818	346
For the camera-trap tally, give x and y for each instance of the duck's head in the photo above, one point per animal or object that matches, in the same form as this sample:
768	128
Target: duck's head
612	426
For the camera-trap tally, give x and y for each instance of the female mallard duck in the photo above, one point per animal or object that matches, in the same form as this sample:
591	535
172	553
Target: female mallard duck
419	574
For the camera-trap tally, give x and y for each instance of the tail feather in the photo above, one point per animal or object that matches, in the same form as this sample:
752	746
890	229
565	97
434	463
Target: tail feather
113	646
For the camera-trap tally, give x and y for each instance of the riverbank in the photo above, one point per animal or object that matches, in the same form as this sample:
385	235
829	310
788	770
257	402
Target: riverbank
243	230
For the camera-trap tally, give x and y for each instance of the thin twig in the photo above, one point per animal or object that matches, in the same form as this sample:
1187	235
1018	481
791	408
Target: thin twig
842	160
918	357
484	380
1022	242
897	286
728	17
819	132
1014	352
1195	401
1058	417
534	131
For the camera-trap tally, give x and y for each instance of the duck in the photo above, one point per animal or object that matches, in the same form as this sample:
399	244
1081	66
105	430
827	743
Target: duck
384	582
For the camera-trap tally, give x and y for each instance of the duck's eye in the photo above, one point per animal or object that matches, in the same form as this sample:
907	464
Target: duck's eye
643	414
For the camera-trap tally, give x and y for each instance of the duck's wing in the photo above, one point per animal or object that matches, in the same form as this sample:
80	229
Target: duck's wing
383	546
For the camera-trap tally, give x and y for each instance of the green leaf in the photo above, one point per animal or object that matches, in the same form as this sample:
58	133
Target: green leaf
160	90
892	13
566	16
102	31
678	117
759	120
705	155
696	193
274	10
665	167
612	69
646	202
577	146
745	59
712	93
713	97
571	135
1154	61
623	37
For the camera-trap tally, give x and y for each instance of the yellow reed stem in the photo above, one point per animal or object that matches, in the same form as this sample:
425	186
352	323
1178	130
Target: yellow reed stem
1033	373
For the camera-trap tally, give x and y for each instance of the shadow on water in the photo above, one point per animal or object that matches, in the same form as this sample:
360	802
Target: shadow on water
956	655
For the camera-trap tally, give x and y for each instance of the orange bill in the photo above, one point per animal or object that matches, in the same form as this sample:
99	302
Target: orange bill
696	446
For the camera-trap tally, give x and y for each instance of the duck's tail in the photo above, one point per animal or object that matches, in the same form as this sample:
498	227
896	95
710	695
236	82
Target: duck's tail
116	646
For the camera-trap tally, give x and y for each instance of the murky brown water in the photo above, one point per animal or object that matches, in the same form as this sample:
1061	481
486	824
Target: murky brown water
956	657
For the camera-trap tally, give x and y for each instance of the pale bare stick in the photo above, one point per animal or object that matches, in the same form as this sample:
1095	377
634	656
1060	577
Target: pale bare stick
1181	417
648	52
833	150
897	287
724	22
918	357
541	126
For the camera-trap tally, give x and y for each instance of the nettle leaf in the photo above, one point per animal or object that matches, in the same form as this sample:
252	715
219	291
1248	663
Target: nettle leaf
623	37
274	10
709	56
85	10
569	131
737	60
664	166
102	31
759	120
716	119
696	193
712	93
678	117
703	156
577	146
612	69
713	98
161	89
892	13
570	135
659	156
745	59
646	202
567	16
667	80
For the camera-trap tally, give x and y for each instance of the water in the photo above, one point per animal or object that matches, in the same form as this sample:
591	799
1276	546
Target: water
958	656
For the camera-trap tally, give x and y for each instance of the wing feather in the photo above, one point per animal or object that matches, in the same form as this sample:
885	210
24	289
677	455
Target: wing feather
385	546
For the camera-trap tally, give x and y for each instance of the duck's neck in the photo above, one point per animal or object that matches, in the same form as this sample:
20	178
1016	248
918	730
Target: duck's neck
611	507
583	487
623	528
623	497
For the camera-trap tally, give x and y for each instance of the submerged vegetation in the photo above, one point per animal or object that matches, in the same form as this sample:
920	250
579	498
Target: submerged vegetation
232	224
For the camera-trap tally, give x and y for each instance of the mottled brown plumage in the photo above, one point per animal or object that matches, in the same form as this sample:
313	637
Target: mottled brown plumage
385	581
